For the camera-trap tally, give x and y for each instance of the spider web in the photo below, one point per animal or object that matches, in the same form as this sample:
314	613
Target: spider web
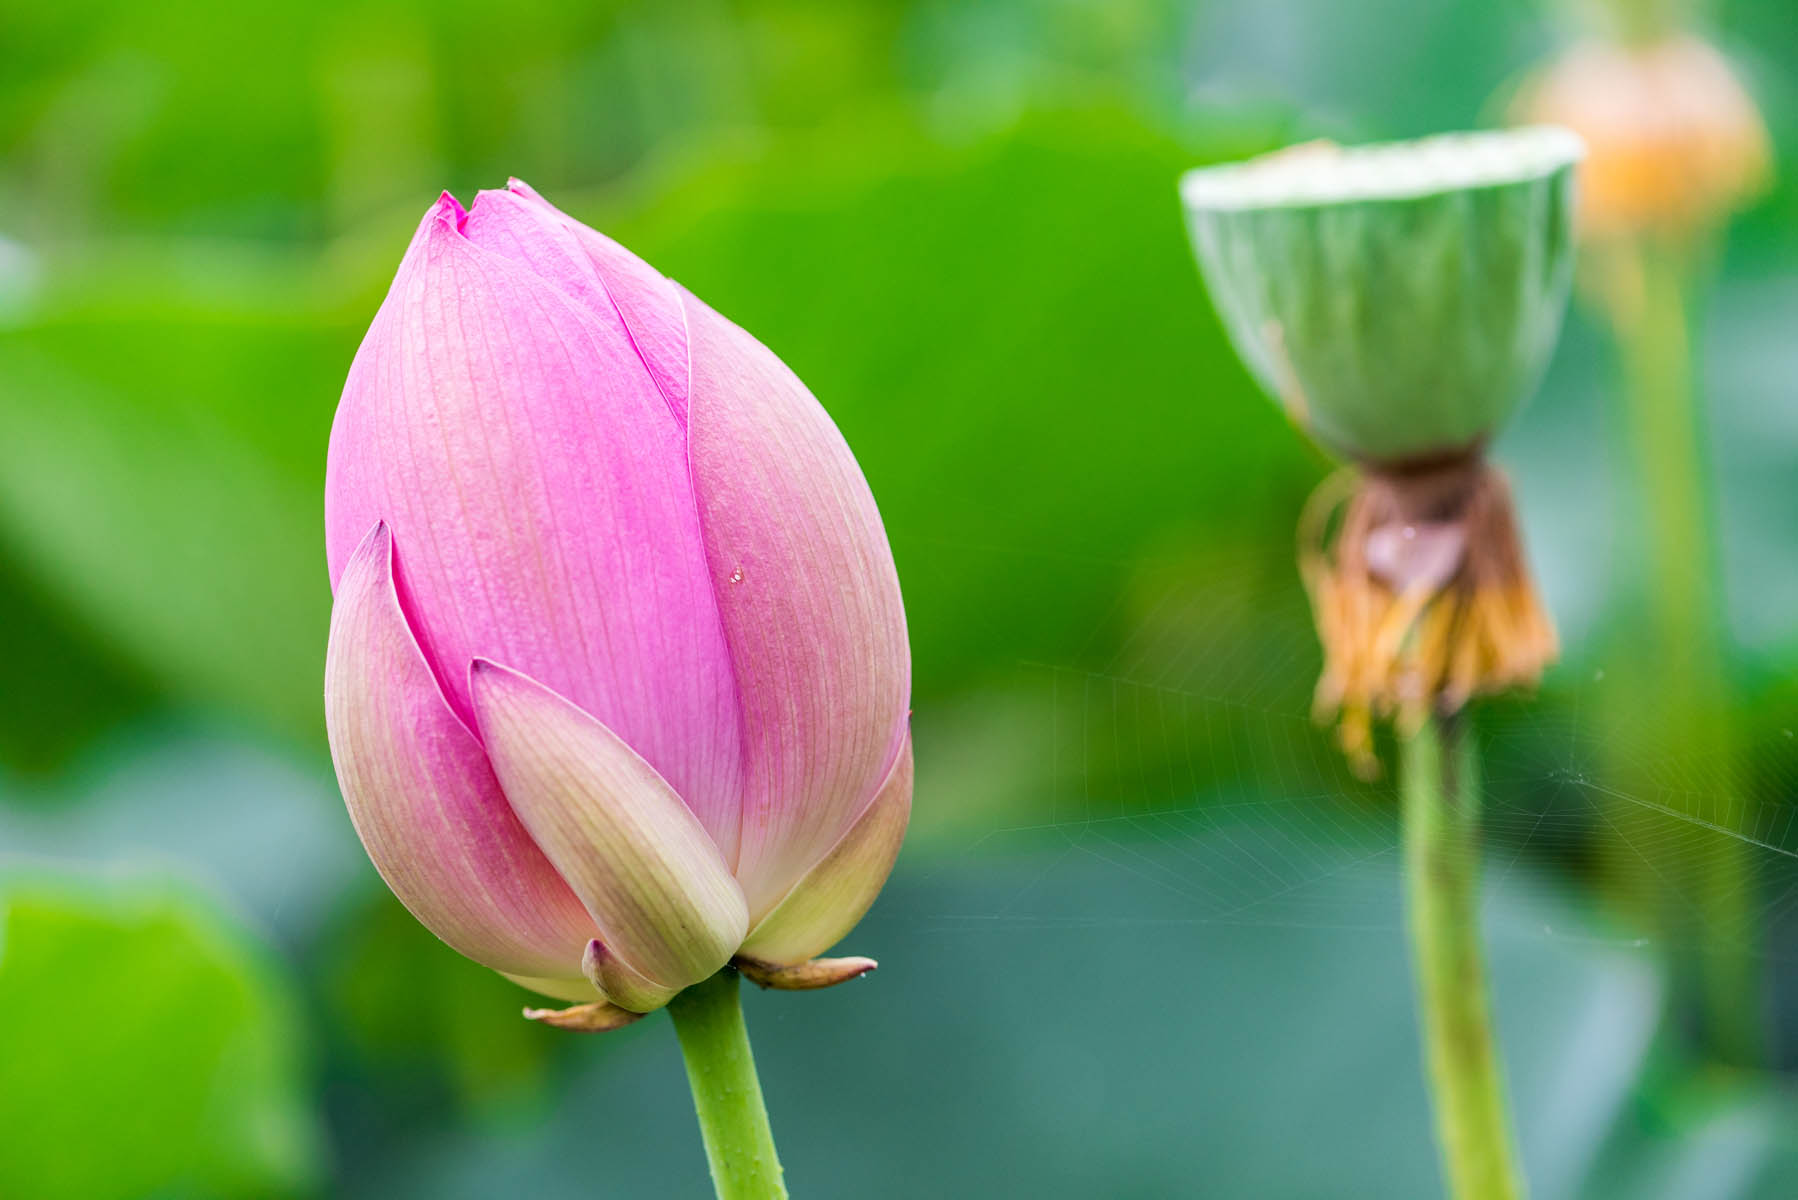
1179	749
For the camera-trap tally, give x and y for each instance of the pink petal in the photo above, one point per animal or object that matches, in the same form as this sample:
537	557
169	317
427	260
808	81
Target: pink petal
424	800
825	905
534	472
575	991
809	597
602	276
661	894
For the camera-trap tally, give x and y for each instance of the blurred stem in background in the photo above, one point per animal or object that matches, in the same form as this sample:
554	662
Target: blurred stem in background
727	1095
1645	20
1674	144
1681	707
1440	788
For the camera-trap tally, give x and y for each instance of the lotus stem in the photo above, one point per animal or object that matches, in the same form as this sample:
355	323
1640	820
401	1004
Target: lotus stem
1643	21
1688	712
1439	782
727	1095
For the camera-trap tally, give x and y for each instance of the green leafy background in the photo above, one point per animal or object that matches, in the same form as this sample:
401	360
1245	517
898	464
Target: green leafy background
1145	938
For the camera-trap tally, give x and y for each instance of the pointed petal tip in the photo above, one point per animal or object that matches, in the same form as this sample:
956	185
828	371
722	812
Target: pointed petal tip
624	985
448	213
445	227
378	543
376	546
486	671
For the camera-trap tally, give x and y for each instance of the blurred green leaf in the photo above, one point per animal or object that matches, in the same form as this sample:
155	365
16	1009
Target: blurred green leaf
1115	1031
149	1048
79	688
167	485
408	1002
1692	1133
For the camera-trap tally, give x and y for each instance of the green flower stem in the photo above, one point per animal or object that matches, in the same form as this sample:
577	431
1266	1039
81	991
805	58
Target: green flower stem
1439	782
1687	695
727	1096
1665	442
1646	21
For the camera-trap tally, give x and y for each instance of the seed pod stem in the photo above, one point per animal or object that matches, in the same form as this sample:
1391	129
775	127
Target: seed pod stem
1441	795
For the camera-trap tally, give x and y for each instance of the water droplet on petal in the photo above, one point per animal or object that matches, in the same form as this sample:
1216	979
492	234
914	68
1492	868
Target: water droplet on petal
736	576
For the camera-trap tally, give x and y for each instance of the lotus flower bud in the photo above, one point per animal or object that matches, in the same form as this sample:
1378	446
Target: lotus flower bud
1675	143
1400	302
617	680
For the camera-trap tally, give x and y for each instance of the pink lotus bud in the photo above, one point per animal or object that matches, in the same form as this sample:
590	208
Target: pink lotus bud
618	675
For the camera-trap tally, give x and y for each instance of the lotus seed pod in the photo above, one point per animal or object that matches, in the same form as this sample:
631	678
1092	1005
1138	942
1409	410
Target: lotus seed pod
1400	300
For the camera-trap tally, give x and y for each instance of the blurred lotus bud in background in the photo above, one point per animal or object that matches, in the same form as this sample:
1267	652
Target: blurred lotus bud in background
1674	140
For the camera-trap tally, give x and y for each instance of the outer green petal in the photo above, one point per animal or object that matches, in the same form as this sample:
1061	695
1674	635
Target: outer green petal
652	879
423	798
827	902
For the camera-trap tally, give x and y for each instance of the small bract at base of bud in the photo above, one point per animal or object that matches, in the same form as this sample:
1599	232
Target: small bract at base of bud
1422	598
805	976
599	1017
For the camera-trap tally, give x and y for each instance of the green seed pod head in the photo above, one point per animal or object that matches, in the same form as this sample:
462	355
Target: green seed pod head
1399	300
